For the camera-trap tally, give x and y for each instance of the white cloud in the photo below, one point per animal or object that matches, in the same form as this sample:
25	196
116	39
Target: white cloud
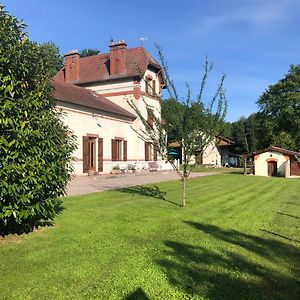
259	14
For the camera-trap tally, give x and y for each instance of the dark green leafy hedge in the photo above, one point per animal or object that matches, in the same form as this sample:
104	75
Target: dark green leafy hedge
35	145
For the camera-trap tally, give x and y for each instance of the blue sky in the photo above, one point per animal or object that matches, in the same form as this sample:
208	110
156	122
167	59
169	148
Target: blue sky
252	41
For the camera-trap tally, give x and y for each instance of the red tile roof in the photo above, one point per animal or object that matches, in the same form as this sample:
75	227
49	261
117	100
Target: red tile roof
96	67
84	97
275	149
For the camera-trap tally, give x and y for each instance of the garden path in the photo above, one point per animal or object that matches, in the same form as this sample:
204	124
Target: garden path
89	184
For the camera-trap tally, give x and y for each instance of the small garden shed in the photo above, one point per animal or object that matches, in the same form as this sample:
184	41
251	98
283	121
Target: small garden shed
275	161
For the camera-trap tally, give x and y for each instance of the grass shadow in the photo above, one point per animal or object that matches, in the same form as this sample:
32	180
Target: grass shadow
148	191
280	235
292	203
138	294
288	215
236	267
29	226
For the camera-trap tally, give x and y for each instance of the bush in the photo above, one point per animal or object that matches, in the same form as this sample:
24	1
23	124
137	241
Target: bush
35	145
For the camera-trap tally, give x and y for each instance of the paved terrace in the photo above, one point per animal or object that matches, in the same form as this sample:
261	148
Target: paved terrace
89	184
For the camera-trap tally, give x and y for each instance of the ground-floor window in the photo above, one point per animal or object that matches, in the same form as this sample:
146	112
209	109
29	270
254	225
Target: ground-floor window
150	152
118	149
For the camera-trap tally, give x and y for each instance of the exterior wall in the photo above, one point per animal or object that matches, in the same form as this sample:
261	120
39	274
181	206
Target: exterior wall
261	163
153	76
85	122
122	91
211	156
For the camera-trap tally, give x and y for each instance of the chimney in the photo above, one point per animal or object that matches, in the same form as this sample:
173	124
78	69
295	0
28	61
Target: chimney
117	57
71	66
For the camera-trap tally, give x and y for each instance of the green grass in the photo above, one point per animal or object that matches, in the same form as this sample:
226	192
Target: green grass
215	170
238	238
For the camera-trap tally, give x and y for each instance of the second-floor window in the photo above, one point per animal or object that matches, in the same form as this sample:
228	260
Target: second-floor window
148	85
150	114
153	88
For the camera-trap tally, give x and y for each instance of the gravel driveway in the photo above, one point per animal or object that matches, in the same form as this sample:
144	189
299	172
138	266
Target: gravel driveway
89	184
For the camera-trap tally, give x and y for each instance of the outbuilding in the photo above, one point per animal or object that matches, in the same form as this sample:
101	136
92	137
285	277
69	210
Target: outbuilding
275	161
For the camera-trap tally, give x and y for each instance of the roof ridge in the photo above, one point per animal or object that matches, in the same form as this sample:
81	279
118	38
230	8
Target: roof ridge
94	55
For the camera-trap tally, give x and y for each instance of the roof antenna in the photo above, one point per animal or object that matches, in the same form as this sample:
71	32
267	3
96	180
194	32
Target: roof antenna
143	39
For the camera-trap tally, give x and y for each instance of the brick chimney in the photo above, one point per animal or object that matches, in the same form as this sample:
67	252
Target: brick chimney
117	57
71	66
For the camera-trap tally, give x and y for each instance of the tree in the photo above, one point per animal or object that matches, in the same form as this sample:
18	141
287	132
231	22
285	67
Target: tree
191	123
280	110
53	61
245	134
35	145
88	52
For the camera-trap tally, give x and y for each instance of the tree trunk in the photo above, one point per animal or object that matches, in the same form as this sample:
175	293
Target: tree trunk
245	165
183	191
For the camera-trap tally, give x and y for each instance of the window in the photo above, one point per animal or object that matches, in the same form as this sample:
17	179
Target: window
148	87
153	92
150	152
150	113
118	150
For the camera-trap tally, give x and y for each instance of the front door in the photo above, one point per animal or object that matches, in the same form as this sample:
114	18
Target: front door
92	154
272	168
295	167
89	154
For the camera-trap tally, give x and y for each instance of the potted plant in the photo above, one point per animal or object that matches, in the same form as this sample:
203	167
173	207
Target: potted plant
115	169
131	168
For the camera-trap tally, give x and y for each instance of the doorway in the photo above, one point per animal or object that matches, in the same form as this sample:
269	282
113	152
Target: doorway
272	168
92	154
89	154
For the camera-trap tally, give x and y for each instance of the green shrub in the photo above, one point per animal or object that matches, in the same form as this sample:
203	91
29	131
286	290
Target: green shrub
35	145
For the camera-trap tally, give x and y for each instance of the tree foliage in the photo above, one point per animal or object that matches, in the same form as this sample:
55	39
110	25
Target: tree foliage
190	121
280	111
53	61
35	147
88	52
245	133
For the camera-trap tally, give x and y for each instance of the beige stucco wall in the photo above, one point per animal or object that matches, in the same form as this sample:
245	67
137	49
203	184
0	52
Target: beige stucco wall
125	86
153	76
211	155
85	121
261	164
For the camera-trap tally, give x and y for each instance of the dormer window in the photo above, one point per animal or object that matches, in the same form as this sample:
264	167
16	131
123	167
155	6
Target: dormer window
153	88
148	86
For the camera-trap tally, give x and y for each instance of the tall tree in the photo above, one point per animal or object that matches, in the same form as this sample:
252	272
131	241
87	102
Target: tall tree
88	52
244	132
35	145
280	110
53	61
192	122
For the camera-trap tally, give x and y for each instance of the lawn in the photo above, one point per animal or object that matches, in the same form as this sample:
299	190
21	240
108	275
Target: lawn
238	238
215	170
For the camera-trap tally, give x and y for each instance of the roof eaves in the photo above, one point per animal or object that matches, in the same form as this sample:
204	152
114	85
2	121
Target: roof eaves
111	78
129	115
